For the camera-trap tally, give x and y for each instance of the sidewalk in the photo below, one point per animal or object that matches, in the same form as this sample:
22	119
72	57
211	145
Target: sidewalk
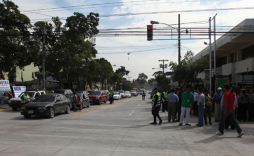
4	106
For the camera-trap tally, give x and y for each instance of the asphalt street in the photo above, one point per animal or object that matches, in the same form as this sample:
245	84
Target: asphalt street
121	129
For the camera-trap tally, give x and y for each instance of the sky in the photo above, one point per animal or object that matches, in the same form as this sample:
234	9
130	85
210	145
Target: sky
144	55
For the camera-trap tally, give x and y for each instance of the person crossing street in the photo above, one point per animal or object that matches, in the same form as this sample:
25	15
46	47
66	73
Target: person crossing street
172	100
156	106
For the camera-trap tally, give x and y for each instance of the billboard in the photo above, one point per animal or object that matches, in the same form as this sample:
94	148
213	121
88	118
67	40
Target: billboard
5	86
18	90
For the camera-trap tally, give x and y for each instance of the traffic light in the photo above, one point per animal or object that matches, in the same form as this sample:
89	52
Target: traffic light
149	32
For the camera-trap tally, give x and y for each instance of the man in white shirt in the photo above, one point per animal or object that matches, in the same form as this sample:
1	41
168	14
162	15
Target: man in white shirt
201	107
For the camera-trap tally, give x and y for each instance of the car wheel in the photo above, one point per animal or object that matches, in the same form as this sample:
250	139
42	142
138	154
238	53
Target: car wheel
51	113
99	102
14	109
27	116
105	101
67	110
88	105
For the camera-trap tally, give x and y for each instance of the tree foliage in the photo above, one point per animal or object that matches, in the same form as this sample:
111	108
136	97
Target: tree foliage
15	43
66	46
188	70
142	79
161	80
122	71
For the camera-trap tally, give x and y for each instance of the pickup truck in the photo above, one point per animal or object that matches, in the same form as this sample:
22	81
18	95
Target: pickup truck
16	102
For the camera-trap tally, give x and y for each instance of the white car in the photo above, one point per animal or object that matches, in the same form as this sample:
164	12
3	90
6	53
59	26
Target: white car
117	96
127	94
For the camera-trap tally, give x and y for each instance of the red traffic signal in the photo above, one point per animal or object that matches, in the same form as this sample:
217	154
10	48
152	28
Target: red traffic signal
149	32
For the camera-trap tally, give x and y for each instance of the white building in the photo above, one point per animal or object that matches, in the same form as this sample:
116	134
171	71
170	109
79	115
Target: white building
234	55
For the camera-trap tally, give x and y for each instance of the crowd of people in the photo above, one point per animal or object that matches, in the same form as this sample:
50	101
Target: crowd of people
229	104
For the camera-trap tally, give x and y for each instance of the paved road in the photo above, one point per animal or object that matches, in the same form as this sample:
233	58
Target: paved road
122	129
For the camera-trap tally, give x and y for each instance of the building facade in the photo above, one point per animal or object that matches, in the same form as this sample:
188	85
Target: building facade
234	56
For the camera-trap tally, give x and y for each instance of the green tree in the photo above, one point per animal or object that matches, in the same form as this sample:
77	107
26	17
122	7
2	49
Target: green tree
188	70
67	47
161	80
15	43
122	71
142	79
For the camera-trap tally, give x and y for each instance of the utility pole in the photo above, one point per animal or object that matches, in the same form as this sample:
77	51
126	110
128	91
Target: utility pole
179	40
210	56
163	64
214	59
43	59
179	44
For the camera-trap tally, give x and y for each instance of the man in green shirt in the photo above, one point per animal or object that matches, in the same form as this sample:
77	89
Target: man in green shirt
187	100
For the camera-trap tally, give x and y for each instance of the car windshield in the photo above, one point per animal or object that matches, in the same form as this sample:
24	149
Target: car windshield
127	92
95	93
133	91
31	94
45	98
116	93
121	91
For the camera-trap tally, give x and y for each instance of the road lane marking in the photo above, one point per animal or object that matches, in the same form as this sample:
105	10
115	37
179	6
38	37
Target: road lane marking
131	112
99	108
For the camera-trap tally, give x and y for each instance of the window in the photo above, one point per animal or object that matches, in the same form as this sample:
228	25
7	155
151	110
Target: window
37	94
248	52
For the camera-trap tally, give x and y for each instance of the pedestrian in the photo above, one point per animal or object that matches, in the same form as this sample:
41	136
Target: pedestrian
217	98
251	105
111	96
164	101
242	106
178	109
1	98
208	108
79	104
172	100
187	100
196	105
75	101
201	107
143	95
156	106
228	111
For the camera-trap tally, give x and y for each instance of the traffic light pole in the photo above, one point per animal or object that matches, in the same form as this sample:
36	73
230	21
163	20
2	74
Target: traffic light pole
179	40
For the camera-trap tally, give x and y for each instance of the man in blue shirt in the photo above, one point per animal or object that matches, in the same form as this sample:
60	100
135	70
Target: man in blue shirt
217	106
172	100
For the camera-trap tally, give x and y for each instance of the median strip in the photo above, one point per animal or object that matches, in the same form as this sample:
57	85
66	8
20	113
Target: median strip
93	110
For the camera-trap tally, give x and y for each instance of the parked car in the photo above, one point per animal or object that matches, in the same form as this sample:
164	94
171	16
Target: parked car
122	94
16	103
117	96
66	92
96	97
48	104
85	101
134	93
127	94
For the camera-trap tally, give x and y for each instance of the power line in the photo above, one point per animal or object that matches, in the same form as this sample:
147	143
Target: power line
113	4
163	12
135	51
